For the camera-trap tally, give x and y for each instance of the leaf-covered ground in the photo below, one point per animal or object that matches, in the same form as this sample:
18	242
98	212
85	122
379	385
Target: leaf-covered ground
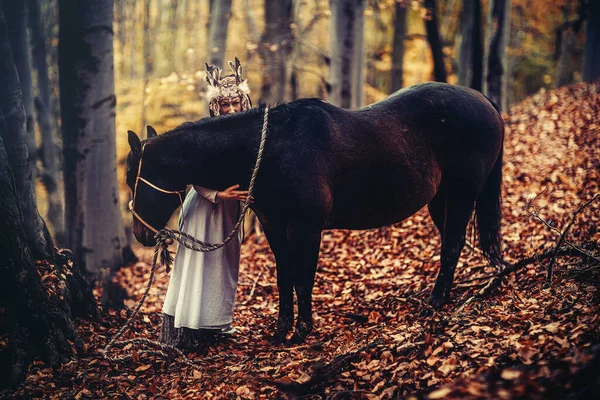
375	334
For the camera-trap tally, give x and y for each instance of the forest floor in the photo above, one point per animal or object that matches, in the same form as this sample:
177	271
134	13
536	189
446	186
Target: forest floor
375	334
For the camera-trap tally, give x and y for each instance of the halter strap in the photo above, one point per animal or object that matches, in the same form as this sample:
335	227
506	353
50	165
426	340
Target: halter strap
138	178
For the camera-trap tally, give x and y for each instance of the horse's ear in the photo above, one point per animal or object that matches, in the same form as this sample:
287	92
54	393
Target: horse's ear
151	132
134	143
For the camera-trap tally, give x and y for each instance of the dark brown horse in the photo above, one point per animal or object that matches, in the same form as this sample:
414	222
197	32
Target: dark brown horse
324	167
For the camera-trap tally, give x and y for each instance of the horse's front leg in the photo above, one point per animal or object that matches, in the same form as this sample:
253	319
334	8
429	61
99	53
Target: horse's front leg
304	240
277	237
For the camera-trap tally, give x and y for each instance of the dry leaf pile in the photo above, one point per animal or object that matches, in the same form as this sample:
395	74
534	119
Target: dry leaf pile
375	334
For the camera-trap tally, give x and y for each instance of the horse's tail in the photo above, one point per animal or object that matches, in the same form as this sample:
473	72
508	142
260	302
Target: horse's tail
489	214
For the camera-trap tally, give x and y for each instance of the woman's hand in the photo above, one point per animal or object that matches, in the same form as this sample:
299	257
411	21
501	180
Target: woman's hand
232	194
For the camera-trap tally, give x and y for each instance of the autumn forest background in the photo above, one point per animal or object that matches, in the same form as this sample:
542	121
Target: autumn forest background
75	76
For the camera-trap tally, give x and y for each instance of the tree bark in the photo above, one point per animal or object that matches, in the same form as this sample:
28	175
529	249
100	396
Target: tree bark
477	57
15	142
220	13
173	35
465	63
497	74
433	36
275	48
591	58
16	21
398	46
50	175
88	123
347	59
133	17
36	316
471	49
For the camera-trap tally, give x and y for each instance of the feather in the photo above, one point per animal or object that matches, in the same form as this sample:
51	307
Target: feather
212	92
243	87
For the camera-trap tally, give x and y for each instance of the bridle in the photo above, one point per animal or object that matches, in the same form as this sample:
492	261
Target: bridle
139	178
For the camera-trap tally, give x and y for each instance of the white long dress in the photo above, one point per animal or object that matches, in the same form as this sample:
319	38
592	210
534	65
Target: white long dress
201	292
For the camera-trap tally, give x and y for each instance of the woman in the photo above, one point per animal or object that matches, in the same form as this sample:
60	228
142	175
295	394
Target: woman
201	292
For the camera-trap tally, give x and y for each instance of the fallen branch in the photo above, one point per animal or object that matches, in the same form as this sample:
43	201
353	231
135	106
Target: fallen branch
564	234
253	288
496	280
356	317
322	373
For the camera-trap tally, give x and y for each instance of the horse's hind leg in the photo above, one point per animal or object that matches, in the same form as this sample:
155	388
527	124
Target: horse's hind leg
451	212
304	238
285	280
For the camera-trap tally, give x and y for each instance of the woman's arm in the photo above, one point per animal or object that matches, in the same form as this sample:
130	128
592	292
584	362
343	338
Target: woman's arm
215	196
208	194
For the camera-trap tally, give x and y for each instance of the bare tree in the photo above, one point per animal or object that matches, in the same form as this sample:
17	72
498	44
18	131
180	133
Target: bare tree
346	38
172	54
19	123
50	175
591	60
565	42
433	36
495	67
275	48
148	39
398	46
220	13
39	326
471	48
88	123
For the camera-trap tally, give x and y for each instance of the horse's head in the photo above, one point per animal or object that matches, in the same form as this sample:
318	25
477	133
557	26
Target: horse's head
153	196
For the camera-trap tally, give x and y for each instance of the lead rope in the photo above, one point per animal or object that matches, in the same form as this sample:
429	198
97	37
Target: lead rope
164	238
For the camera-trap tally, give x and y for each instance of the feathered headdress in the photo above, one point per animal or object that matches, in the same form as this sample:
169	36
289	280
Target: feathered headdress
231	85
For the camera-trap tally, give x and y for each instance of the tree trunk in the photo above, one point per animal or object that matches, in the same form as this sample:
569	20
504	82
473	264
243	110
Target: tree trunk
220	13
11	104
465	63
50	176
497	74
433	36
563	73
37	320
398	47
477	54
252	32
471	49
275	48
345	37
172	35
121	18
133	17
88	121
358	58
16	20
148	39
591	58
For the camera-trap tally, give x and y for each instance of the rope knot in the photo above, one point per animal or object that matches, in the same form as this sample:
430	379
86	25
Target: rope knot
164	239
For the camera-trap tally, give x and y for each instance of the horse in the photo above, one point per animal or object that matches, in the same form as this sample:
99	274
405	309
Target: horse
324	167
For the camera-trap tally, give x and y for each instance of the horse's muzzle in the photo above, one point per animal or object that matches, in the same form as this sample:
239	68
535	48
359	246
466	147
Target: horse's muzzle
143	235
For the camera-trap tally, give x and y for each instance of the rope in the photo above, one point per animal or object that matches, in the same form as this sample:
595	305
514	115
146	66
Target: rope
162	244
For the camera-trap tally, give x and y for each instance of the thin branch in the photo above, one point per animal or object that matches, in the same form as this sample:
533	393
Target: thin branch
564	234
312	47
253	288
322	373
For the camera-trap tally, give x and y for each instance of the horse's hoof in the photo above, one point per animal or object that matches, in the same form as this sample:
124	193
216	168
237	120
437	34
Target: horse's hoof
437	302
277	338
296	339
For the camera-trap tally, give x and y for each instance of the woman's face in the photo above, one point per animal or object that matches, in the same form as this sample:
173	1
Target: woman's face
230	105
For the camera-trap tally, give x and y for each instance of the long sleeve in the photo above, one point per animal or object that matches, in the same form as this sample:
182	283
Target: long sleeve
208	194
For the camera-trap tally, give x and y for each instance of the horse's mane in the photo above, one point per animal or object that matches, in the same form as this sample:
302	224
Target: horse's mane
280	111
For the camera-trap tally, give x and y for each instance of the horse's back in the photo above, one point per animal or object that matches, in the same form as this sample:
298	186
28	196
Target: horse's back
380	164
